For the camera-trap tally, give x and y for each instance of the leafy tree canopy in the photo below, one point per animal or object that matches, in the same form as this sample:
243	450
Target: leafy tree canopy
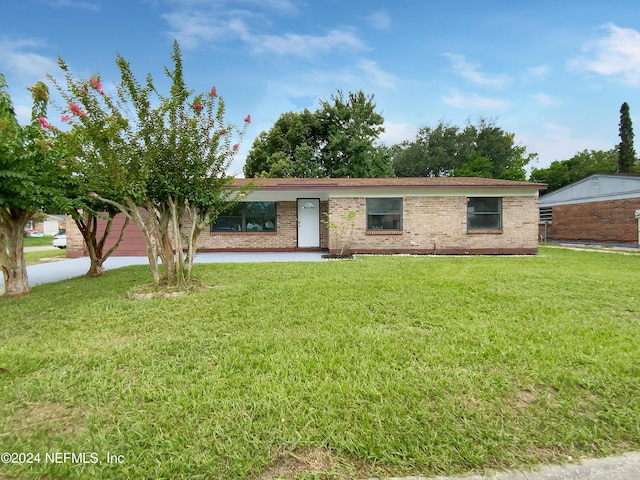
582	164
31	173
158	158
480	150
337	140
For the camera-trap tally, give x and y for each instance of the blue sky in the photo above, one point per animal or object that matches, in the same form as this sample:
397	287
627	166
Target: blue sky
553	72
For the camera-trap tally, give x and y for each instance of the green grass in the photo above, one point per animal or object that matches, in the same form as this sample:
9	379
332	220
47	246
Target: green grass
33	258
44	241
383	366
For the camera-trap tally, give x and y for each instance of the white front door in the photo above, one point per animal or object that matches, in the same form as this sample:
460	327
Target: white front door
308	222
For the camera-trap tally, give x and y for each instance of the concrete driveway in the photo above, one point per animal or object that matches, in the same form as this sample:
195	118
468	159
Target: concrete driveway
77	267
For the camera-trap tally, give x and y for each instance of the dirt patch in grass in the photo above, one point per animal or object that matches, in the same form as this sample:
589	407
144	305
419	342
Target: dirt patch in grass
147	292
316	463
48	418
530	395
50	259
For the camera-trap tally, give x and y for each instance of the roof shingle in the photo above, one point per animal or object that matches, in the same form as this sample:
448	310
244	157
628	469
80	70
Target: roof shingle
368	183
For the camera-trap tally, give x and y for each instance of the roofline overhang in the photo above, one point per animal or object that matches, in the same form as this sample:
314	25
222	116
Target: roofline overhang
326	186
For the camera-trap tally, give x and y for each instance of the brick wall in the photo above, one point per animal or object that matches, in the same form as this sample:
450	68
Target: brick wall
430	225
439	225
132	245
75	242
608	222
284	238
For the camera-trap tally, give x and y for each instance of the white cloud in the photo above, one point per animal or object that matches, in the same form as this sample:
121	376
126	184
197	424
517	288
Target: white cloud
545	100
471	73
16	57
616	55
552	142
283	6
192	28
280	6
379	20
376	75
366	75
92	6
306	45
537	73
397	132
473	101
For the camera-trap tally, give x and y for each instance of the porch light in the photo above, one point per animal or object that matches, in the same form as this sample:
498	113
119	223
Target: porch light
308	205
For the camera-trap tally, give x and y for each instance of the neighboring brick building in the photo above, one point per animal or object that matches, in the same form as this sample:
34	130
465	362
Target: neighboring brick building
392	215
600	208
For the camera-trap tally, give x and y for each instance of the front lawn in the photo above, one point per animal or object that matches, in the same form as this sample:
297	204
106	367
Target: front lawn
34	258
44	241
383	366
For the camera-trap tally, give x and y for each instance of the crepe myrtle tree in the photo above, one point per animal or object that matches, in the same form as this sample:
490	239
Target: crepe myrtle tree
166	161
92	147
30	177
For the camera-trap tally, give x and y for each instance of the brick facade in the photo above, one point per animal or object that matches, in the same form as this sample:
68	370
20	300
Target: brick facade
284	238
438	225
610	221
434	218
132	245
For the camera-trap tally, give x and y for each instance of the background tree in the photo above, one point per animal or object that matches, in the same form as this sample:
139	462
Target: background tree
30	178
581	165
626	152
480	150
169	161
435	152
348	127
287	150
337	140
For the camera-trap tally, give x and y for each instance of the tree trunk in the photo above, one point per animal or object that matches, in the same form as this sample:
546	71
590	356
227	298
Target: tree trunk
161	218
14	267
148	224
150	231
87	223
199	220
177	211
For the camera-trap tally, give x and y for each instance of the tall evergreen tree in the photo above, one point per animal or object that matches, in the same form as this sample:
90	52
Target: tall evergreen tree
626	152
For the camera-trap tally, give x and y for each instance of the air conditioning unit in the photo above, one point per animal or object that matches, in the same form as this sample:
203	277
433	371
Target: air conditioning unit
638	214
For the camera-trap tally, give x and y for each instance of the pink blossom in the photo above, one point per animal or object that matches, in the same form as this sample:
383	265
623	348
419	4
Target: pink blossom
95	83
236	147
76	110
248	119
197	106
43	122
65	118
222	132
213	93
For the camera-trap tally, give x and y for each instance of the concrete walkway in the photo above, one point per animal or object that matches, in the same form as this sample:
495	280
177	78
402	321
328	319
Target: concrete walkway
620	467
77	267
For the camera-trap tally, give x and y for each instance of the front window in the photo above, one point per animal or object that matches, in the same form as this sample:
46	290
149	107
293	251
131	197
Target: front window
484	213
384	214
247	217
